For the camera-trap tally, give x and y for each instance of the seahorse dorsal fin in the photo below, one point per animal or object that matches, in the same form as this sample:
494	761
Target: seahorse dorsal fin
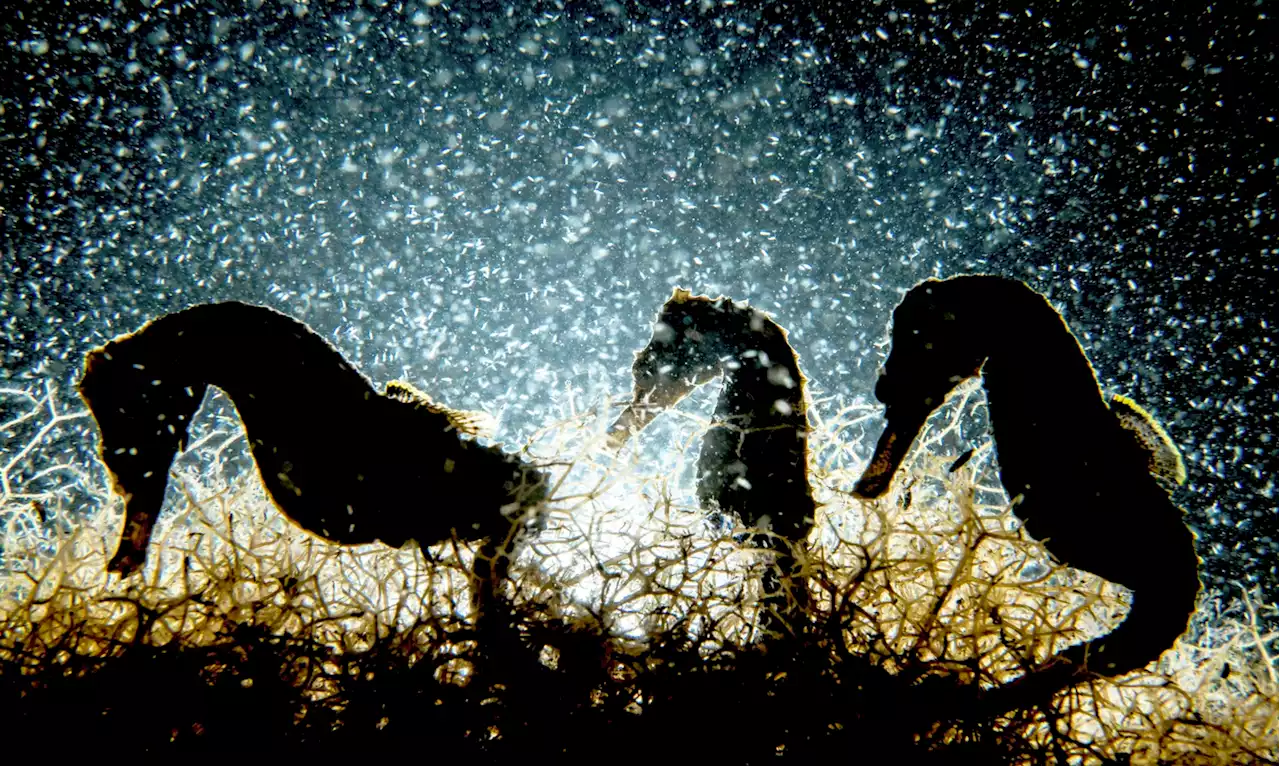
1166	461
465	421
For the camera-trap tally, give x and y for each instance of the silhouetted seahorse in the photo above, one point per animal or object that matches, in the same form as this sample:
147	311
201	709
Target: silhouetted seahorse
754	459
1081	470
342	460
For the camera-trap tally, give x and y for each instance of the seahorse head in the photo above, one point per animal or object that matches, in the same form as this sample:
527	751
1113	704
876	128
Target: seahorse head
686	350
936	344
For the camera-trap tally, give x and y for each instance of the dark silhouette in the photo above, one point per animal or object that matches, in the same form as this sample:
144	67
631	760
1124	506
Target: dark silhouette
754	459
342	460
1081	470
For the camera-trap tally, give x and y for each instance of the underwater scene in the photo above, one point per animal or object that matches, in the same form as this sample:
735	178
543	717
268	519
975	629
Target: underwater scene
641	382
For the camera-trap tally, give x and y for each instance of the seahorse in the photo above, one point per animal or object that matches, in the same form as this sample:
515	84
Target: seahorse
340	459
754	458
1087	474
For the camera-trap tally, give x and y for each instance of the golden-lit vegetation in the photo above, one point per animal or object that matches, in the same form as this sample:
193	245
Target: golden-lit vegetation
634	633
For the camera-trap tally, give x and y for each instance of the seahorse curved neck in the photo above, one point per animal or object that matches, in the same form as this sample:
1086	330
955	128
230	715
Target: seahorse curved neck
1048	417
1041	389
259	357
754	459
763	384
1079	481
